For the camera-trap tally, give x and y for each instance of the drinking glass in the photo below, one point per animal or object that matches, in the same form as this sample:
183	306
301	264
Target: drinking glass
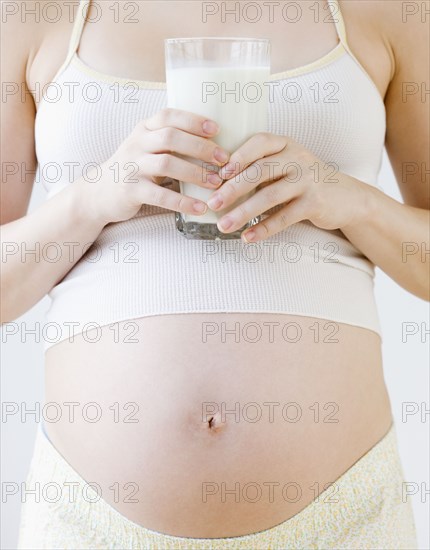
225	80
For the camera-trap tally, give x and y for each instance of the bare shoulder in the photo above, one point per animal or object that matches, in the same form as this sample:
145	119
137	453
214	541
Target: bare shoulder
389	12
404	24
27	22
30	27
389	37
404	30
18	38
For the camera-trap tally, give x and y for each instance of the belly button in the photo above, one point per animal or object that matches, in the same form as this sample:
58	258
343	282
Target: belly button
214	423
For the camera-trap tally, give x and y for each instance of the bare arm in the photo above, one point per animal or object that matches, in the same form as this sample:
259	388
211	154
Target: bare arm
395	236
78	213
26	278
391	234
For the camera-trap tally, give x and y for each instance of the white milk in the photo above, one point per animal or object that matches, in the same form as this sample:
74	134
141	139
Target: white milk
235	98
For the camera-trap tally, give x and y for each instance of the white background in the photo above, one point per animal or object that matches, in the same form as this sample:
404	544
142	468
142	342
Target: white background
405	366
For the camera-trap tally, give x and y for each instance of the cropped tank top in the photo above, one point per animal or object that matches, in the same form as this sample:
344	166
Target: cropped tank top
144	266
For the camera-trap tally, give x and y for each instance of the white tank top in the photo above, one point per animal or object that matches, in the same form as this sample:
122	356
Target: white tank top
144	266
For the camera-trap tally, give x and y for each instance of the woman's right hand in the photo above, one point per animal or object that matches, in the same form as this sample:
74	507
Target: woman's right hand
132	176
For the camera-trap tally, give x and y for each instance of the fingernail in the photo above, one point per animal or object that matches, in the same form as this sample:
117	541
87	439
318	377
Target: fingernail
199	207
214	179
225	223
249	236
210	127
215	202
221	155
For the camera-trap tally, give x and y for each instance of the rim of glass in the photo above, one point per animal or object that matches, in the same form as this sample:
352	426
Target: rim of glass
218	38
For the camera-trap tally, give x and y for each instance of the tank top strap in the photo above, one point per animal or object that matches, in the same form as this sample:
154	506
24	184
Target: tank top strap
78	27
338	21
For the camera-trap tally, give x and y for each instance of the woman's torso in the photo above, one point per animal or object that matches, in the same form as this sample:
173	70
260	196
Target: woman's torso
315	384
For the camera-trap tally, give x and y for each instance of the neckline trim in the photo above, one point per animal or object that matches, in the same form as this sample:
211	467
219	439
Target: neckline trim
328	58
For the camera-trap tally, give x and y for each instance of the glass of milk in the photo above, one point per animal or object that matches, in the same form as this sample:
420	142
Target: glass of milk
225	80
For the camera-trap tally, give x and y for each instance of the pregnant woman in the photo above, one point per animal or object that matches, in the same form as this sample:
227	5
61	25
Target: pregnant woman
214	394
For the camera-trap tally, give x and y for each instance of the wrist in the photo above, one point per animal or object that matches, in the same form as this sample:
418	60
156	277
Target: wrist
365	204
86	203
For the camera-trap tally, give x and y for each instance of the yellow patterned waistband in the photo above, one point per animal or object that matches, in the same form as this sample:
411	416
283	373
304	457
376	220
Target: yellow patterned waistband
368	512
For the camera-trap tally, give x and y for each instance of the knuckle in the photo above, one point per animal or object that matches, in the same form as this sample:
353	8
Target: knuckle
165	115
182	204
242	211
296	174
157	195
143	191
255	172
163	163
315	203
209	148
131	147
125	148
303	157
201	147
283	219
271	194
188	121
265	228
282	140
143	161
197	173
167	135
168	111
141	126
238	159
229	190
263	138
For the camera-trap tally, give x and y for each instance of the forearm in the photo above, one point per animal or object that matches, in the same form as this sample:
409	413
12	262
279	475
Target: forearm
395	237
39	249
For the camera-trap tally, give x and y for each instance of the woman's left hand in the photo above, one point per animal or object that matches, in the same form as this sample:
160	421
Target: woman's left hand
283	172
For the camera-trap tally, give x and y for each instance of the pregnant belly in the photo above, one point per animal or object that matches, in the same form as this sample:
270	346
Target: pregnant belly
216	425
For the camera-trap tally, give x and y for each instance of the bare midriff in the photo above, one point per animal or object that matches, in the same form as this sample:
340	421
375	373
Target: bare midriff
216	425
